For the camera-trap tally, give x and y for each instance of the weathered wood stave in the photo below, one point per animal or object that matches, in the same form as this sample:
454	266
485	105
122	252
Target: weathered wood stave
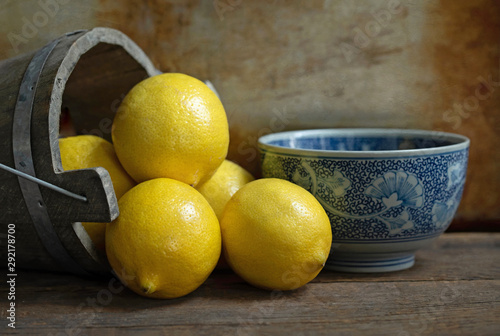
87	72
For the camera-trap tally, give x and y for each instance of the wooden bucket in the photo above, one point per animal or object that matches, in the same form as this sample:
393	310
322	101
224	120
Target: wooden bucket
88	73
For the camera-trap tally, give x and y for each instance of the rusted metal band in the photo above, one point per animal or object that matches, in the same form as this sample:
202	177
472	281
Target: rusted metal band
21	144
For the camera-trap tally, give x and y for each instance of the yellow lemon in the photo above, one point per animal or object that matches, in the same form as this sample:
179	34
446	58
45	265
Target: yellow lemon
226	181
171	125
88	151
276	234
166	241
219	189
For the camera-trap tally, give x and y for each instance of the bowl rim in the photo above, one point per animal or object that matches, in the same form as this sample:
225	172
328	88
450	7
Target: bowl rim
459	142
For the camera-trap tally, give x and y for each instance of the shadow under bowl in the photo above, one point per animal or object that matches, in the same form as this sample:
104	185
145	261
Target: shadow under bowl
387	192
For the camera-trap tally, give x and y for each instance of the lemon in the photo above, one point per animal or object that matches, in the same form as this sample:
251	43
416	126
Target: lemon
276	234
88	151
226	181
166	241
219	189
171	125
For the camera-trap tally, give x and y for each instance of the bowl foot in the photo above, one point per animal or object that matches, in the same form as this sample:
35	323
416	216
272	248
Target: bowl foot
362	264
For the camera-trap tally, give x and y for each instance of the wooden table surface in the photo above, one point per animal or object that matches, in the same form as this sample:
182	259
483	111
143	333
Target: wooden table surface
453	289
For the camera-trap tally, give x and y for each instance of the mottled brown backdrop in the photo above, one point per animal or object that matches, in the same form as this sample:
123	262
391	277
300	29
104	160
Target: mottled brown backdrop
302	64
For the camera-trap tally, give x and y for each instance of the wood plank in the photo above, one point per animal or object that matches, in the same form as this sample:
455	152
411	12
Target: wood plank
480	252
471	307
453	289
454	256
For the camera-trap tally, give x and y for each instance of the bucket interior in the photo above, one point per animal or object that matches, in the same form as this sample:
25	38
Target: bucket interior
99	82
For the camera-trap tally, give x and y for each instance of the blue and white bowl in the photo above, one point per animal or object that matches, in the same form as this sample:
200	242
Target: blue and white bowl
387	192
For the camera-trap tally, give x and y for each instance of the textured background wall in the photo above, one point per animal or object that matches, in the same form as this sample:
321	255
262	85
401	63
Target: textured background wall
307	64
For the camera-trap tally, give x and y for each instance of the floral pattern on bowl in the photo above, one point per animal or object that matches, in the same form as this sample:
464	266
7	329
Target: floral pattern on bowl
395	195
371	197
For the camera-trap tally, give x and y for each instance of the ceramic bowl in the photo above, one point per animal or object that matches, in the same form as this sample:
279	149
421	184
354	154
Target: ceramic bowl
387	192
